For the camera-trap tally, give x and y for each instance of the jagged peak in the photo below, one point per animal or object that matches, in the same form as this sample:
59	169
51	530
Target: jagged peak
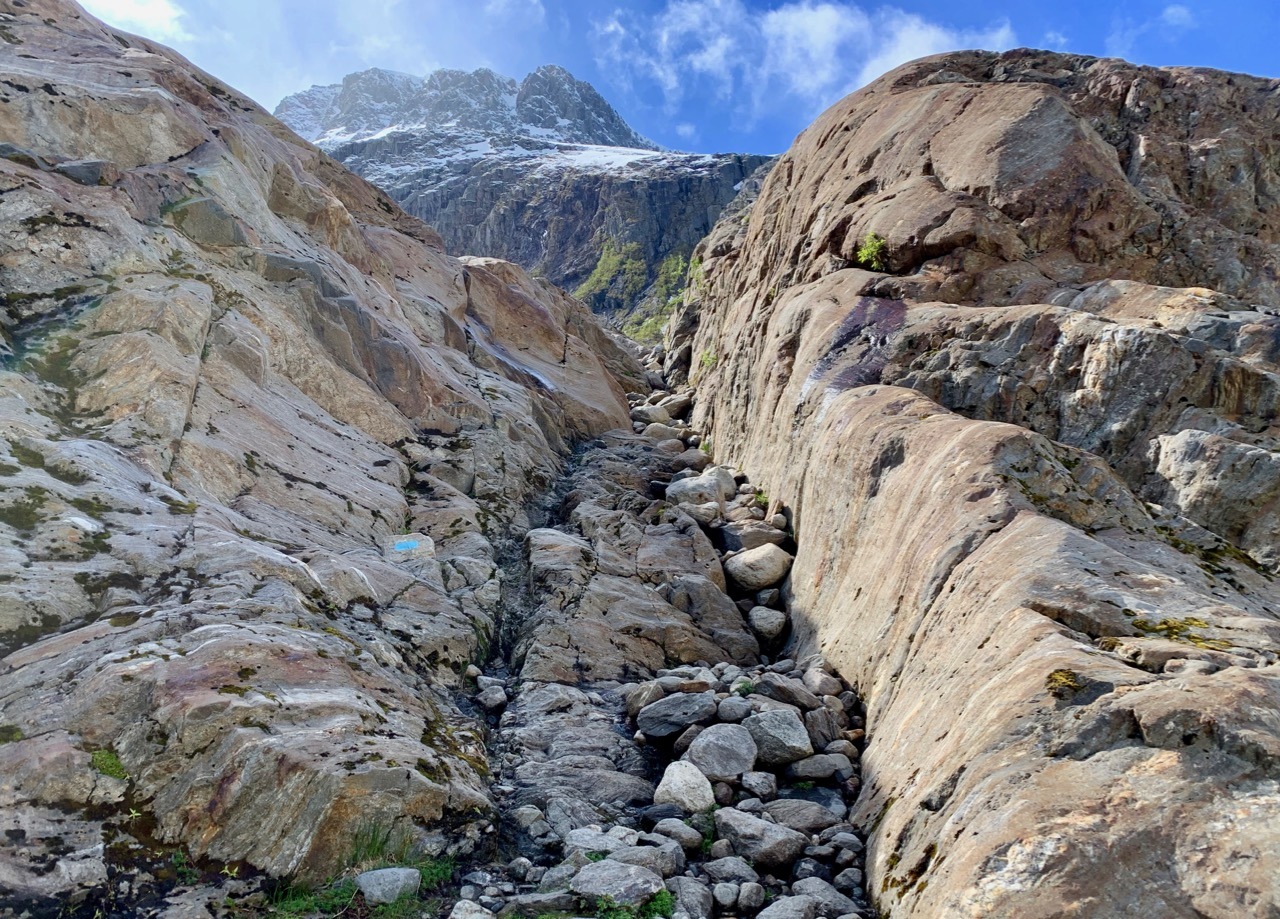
549	103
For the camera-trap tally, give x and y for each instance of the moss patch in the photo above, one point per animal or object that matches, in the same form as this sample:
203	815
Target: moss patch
107	763
1063	683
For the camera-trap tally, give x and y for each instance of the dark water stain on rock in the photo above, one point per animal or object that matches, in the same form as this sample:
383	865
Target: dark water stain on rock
858	353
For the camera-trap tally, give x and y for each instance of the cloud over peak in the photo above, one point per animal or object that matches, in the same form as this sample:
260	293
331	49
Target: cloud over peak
805	53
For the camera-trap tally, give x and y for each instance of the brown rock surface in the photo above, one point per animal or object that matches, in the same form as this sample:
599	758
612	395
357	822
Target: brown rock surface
1029	470
258	437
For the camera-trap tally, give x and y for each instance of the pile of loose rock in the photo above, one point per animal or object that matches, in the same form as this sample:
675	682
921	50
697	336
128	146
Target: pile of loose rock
723	789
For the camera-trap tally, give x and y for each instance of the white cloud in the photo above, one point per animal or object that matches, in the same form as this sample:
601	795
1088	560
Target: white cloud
1177	16
1173	21
803	52
1055	40
687	131
903	37
158	19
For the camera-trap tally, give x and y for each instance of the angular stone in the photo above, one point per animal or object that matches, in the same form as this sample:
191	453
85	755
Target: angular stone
802	907
731	868
780	737
723	751
766	845
693	897
786	690
766	622
833	903
804	816
387	885
631	885
675	713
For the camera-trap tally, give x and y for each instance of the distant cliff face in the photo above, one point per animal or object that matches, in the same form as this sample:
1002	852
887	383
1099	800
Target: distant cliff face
1002	331
542	172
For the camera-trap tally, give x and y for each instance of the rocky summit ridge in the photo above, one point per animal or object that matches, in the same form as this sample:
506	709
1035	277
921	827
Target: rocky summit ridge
927	571
543	172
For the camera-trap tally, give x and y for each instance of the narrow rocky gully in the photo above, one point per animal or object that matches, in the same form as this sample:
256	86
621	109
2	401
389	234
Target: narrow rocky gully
656	748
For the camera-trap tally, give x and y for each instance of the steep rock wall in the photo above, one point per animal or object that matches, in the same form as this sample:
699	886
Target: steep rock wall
260	438
1067	646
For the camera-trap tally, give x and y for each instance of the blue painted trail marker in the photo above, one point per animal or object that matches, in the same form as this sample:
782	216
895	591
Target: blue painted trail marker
404	545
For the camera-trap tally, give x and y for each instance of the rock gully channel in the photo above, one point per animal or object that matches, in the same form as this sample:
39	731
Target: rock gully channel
652	743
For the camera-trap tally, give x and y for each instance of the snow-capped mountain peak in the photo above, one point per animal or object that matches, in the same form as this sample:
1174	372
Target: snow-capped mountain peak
549	105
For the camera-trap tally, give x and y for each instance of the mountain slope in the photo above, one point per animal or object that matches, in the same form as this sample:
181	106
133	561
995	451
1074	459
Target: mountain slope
1031	461
542	172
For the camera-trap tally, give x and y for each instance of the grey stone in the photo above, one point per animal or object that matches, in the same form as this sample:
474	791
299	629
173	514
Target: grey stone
492	699
848	880
725	894
833	903
822	766
692	896
751	896
723	751
763	785
665	860
675	713
466	909
386	885
766	622
631	885
801	907
689	838
823	726
732	868
755	569
803	816
639	695
784	689
89	172
780	737
684	785
764	844
734	709
821	683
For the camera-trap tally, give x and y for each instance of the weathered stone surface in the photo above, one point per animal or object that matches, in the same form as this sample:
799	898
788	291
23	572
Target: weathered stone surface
766	845
386	885
755	569
802	907
780	737
256	433
631	885
1063	482
684	785
675	713
723	752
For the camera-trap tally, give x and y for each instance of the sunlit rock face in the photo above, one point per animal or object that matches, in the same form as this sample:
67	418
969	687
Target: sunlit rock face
542	172
258	437
1027	431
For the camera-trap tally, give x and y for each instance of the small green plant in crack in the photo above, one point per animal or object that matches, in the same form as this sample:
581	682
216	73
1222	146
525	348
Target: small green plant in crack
707	359
182	867
873	252
745	688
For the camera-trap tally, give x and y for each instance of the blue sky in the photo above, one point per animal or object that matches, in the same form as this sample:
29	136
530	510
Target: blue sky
704	75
